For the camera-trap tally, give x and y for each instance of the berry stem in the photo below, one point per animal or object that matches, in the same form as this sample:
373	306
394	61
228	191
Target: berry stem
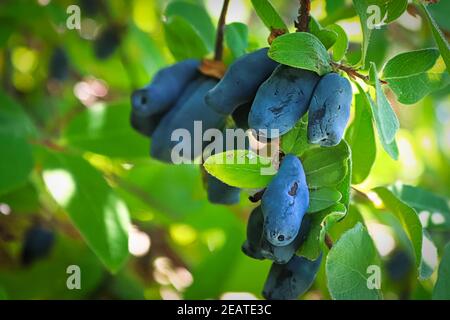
218	56
303	16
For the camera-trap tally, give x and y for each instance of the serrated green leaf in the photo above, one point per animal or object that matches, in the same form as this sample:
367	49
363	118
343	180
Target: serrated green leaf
442	287
301	50
236	37
439	37
361	138
198	18
269	15
341	44
95	210
241	168
106	130
183	40
347	266
323	198
408	219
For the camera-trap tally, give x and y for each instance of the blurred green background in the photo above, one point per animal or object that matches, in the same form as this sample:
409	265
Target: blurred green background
180	246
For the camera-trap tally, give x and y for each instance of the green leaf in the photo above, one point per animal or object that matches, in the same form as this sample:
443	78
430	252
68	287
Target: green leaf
13	119
378	47
361	9
333	5
106	130
314	243
341	44
344	187
410	63
337	214
22	200
385	117
388	121
361	138
408	219
301	50
442	288
393	9
327	36
183	40
337	10
373	13
439	37
241	168
408	77
323	198
439	12
269	15
236	37
95	210
423	200
198	18
16	161
296	140
325	167
410	90
347	266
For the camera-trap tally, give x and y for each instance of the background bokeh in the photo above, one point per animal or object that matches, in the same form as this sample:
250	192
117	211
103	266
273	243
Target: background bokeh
180	245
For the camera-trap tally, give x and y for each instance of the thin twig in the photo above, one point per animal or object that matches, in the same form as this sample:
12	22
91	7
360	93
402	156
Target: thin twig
218	56
352	73
303	16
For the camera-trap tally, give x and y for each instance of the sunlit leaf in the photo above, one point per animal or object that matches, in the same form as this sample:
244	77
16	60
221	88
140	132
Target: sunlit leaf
361	138
348	264
269	15
95	210
301	50
241	168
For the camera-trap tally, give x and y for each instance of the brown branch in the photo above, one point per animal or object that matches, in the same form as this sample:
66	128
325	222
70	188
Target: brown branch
218	56
353	73
303	16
